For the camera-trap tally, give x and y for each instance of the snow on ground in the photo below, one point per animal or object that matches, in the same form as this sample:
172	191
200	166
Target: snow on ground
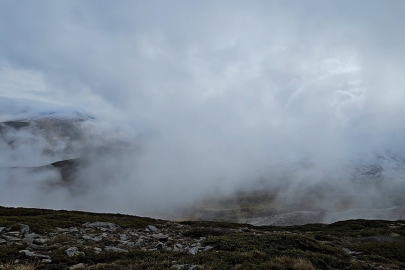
14	109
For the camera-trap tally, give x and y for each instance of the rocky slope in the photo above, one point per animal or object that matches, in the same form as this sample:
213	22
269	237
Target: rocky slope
47	239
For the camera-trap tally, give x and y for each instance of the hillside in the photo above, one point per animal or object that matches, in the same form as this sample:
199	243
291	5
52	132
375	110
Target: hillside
48	239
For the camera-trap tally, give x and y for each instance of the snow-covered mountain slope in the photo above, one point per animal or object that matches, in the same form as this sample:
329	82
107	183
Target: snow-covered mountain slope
34	133
17	109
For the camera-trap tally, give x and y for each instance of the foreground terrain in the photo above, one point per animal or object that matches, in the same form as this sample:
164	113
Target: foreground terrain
47	239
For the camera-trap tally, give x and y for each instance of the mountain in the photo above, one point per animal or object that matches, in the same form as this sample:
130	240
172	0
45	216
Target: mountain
35	133
21	109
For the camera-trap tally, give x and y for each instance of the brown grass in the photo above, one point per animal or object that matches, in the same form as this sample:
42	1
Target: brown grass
289	263
12	266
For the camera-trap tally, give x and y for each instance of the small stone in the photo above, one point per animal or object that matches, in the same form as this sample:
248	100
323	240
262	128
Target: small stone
97	250
24	229
77	267
152	228
15	234
177	267
114	249
193	251
73	229
163	237
74	251
208	248
349	252
11	238
3	242
40	241
61	230
100	225
46	261
27	253
124	237
2	229
95	239
128	243
31	236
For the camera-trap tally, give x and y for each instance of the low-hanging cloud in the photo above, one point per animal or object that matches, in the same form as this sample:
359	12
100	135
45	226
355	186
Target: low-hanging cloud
204	98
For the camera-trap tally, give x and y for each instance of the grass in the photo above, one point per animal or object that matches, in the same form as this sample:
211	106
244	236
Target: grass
12	266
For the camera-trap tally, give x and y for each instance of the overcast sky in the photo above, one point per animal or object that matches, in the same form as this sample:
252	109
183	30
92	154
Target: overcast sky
262	58
226	84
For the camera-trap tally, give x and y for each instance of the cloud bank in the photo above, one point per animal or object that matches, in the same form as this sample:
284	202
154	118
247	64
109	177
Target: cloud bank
214	95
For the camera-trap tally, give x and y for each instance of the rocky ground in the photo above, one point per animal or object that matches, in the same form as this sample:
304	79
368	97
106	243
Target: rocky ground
98	238
47	239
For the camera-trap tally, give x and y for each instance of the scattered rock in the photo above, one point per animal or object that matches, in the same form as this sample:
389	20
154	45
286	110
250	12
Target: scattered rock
208	248
31	236
115	249
184	267
348	251
73	229
102	225
95	239
31	254
193	251
128	243
97	250
152	228
77	267
25	229
11	238
40	241
74	251
27	253
161	237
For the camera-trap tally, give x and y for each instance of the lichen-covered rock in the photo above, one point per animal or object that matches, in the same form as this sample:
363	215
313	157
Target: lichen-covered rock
114	249
151	228
73	251
102	225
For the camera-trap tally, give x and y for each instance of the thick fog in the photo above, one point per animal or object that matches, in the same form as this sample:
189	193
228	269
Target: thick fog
197	99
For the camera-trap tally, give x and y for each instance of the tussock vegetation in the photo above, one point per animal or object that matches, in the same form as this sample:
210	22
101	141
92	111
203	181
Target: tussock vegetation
355	244
12	266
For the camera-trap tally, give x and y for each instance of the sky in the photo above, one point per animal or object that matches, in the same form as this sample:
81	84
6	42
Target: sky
223	89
